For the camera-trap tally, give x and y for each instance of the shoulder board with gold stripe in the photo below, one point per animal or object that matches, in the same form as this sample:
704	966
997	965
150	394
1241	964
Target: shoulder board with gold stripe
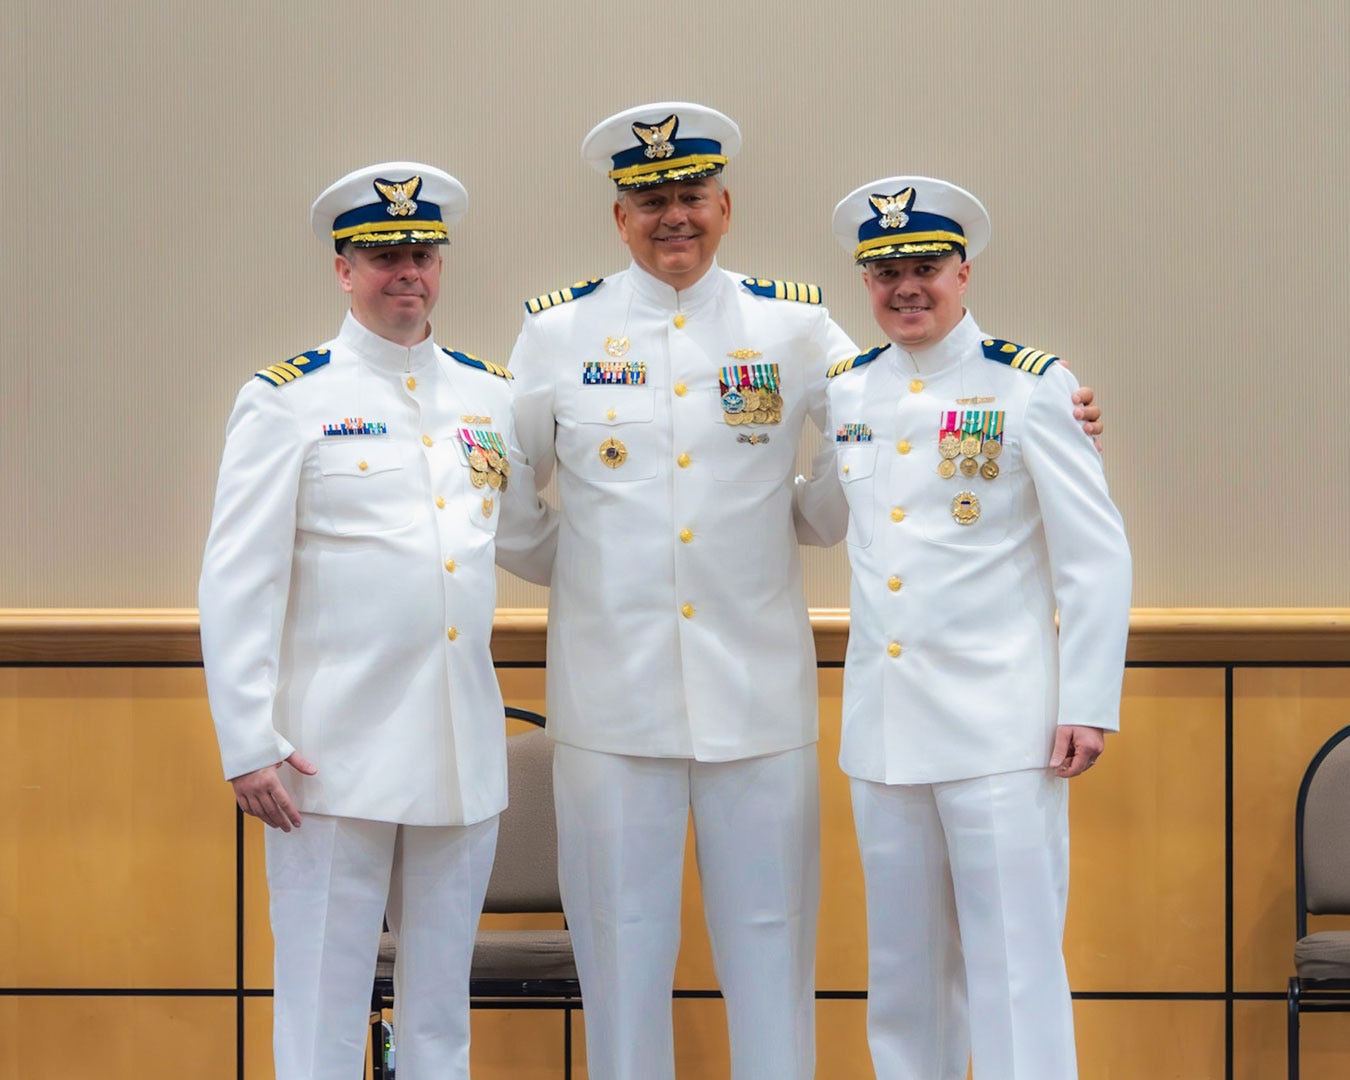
1035	361
292	369
856	361
562	296
783	290
482	365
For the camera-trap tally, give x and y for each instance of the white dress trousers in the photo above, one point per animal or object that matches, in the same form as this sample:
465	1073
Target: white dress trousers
967	883
622	822
331	883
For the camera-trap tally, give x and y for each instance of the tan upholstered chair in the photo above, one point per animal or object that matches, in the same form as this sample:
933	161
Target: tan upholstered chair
512	969
1322	883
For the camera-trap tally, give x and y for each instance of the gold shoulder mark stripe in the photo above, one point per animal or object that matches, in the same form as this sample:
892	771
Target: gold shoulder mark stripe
796	290
497	369
271	376
840	367
1032	360
542	303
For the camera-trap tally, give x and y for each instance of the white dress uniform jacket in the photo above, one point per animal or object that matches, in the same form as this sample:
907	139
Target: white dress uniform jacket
954	668
347	588
677	625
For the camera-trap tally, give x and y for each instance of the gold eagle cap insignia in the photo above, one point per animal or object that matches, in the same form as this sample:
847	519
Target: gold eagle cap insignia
398	195
657	136
891	208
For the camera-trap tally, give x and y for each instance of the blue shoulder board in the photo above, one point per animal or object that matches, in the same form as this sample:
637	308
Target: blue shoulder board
562	296
783	290
856	361
1020	357
292	369
482	365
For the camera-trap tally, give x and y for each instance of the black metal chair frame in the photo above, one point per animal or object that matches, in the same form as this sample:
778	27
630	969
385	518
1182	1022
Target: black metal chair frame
562	994
1310	995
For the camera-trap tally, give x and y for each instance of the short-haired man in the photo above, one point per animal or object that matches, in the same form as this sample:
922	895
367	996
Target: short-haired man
681	668
347	599
965	712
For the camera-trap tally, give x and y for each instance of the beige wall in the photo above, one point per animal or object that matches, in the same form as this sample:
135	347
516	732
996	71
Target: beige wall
1165	182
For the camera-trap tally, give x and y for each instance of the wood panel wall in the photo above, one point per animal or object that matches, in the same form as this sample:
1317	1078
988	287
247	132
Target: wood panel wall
124	952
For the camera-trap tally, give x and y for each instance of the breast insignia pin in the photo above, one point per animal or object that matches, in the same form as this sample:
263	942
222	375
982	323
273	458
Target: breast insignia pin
613	453
966	508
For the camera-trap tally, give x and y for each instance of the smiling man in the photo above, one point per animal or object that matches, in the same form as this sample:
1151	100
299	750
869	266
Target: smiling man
681	672
966	710
347	597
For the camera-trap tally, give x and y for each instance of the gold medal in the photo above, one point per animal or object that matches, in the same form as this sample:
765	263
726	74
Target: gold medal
478	461
989	470
949	445
969	467
775	401
494	480
494	460
503	487
966	508
991	448
970	445
504	468
613	453
946	469
752	399
478	479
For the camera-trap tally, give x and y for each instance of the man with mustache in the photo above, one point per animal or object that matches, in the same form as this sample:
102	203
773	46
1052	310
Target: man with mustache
347	598
670	397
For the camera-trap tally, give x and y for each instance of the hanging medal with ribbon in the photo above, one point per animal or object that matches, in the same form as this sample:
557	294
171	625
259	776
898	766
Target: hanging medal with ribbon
991	443
972	427
750	394
486	454
949	443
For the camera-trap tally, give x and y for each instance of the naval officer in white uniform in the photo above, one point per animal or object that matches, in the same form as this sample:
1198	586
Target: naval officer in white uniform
670	398
976	510
347	598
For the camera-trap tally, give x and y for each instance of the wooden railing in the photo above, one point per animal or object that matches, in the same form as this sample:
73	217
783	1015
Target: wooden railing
1157	635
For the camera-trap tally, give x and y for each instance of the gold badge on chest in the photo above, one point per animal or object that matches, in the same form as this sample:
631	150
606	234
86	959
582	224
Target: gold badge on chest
486	453
966	508
964	435
750	392
613	453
